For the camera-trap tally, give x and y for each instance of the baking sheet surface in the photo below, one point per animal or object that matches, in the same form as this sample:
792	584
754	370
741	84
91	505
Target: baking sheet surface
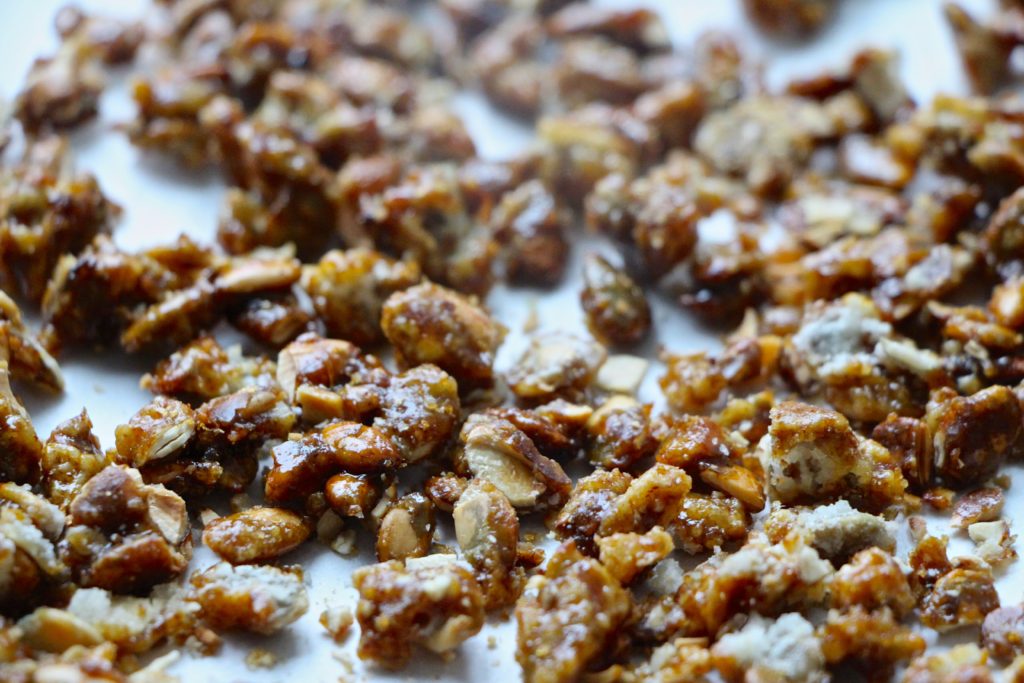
160	202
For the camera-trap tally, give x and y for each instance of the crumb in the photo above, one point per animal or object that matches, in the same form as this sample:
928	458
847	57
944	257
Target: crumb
338	622
258	658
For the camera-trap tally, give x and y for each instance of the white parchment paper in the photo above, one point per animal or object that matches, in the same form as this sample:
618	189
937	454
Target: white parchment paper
161	202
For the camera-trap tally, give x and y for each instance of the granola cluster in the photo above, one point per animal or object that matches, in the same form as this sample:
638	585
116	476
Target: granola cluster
745	528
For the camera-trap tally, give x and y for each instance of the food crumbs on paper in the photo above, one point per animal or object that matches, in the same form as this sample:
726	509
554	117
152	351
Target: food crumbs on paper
258	658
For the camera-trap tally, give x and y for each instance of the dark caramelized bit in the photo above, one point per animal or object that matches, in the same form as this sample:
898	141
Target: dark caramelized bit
960	597
655	498
574	591
213	447
410	418
975	434
171	109
260	599
700	445
619	434
160	430
586	145
504	59
425	217
590	502
692	382
47	210
285	192
315	113
22	453
907	440
616	308
487	530
445	489
595	69
432	601
148	300
985	49
639	29
125	535
534	231
112	41
1004	235
26	359
348	289
203	369
790	18
419	410
61	91
330	363
431	324
302	466
258	534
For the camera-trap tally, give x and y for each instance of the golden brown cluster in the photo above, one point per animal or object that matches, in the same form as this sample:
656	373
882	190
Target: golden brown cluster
866	251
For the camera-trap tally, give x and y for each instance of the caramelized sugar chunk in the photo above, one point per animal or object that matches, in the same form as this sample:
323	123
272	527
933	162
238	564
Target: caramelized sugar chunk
975	434
30	529
258	598
48	210
533	228
126	535
627	555
258	534
872	639
764	577
708	522
872	580
431	324
555	365
203	370
574	591
406	528
71	457
497	450
616	307
778	136
790	18
619	434
434	602
349	288
487	529
589	503
962	596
